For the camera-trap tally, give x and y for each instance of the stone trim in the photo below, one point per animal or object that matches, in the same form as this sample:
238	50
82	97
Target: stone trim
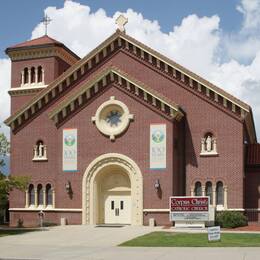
156	210
136	179
112	72
43	52
162	63
46	209
26	90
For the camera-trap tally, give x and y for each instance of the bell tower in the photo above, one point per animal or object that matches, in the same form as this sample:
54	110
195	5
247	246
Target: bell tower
35	64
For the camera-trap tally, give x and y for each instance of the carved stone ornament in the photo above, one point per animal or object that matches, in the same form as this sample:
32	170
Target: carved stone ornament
112	118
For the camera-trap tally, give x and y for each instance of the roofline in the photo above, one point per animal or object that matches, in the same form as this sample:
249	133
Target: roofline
150	51
55	44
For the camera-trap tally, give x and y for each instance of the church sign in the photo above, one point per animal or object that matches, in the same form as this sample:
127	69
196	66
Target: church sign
189	208
157	146
69	150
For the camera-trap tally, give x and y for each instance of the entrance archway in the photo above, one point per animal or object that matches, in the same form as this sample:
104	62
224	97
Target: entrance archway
112	189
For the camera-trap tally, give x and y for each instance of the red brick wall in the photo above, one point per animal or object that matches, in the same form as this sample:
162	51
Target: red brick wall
201	117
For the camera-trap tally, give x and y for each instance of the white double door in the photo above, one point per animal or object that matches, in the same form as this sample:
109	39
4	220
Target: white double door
117	209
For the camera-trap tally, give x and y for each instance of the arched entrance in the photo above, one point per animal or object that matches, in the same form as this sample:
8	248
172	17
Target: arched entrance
112	191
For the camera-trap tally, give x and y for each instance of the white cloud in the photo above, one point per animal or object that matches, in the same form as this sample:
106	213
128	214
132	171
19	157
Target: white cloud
251	11
198	43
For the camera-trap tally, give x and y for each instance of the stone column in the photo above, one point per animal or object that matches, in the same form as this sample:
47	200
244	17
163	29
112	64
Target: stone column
225	197
27	199
53	198
203	145
192	191
22	83
42	76
203	190
29	76
214	196
35	198
44	196
36	75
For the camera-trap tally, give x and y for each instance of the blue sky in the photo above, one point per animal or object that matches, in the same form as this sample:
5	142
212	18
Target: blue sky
18	18
219	40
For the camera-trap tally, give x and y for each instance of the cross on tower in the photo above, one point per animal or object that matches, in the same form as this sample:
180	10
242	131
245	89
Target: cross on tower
46	20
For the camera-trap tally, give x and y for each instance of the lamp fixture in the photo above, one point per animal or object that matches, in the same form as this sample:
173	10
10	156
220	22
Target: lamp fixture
68	187
157	184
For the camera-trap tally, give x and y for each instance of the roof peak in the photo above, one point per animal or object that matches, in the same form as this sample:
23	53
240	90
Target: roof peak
37	41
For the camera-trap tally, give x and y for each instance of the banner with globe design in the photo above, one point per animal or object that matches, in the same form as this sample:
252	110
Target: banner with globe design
70	162
157	146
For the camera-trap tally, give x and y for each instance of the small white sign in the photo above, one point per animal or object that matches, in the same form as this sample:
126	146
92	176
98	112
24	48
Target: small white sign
214	233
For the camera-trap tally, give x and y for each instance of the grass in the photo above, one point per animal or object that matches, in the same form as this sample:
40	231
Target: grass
171	239
6	232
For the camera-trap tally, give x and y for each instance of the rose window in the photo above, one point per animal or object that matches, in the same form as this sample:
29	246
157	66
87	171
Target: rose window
112	118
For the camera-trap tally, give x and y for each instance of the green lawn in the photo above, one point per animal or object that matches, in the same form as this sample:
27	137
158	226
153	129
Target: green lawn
6	232
171	239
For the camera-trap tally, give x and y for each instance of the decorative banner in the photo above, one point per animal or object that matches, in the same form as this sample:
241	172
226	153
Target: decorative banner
157	146
189	208
70	150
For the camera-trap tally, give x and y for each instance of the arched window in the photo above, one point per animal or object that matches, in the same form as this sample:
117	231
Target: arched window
32	75
26	76
31	195
208	144
198	189
49	195
220	193
40	194
209	191
39	71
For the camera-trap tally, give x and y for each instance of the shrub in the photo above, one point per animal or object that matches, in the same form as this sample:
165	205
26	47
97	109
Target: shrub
231	219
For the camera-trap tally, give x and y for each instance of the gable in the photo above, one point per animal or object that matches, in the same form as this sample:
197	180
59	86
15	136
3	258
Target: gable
123	81
160	63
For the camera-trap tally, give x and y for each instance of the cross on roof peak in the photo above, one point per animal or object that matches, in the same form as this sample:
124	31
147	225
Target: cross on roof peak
121	21
46	20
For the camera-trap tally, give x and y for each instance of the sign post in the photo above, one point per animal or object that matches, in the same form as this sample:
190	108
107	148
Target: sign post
189	211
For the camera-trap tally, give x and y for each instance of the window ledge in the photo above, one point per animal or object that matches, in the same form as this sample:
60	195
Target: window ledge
40	159
206	154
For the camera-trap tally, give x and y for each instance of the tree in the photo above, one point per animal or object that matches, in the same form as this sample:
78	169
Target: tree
7	184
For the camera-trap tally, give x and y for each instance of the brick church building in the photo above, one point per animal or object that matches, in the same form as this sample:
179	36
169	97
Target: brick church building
108	138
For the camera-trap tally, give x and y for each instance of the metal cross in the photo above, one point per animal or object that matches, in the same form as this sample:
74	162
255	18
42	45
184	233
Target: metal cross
46	20
121	21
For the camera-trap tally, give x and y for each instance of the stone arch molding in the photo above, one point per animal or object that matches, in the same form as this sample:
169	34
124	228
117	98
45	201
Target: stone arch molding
88	182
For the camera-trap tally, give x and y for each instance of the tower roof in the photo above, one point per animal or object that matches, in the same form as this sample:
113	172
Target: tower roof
38	41
44	41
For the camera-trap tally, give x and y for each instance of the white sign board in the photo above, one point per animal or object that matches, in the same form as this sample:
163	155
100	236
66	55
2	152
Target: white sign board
157	146
69	162
214	233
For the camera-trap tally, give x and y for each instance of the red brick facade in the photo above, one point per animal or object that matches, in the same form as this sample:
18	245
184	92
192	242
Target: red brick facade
185	166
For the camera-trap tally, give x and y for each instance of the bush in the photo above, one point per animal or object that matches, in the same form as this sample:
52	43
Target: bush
231	219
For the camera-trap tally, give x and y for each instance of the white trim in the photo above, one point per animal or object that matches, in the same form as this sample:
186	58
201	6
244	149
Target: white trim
45	209
156	210
239	209
28	88
179	69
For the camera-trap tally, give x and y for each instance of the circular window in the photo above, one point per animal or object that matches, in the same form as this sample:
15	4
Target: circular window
112	118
